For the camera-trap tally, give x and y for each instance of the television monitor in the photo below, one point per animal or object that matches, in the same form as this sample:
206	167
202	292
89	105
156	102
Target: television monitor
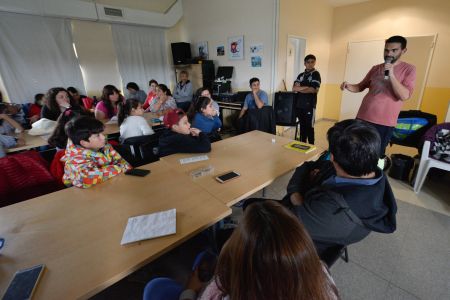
225	72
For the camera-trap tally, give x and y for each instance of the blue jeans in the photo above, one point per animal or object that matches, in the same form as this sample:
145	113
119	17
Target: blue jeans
162	289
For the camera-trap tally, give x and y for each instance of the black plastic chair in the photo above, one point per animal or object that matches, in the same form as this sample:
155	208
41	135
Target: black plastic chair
262	119
140	150
332	254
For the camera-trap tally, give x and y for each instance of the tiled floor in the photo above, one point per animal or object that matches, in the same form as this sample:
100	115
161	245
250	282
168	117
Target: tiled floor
412	263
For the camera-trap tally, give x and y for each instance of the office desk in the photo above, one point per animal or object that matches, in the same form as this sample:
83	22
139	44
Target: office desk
76	233
253	155
35	141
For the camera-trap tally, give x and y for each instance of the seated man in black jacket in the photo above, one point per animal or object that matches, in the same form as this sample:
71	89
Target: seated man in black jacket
342	200
179	137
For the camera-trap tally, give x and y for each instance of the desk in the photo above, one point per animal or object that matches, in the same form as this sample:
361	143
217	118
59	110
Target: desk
230	105
76	233
253	155
35	141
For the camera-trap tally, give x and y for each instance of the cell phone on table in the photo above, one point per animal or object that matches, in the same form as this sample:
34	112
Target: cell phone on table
137	172
24	283
301	147
227	176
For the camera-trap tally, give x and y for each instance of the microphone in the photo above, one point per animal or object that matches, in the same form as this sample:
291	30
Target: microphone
387	60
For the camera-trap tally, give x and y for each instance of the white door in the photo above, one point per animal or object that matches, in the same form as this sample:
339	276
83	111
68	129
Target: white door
294	59
361	56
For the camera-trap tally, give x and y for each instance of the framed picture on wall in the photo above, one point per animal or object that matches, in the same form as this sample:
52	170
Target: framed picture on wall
201	49
220	50
235	47
256	61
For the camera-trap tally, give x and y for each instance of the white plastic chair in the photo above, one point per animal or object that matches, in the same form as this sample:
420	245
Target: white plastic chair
427	162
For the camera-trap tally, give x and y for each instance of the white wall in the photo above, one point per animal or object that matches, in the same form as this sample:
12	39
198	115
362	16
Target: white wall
216	20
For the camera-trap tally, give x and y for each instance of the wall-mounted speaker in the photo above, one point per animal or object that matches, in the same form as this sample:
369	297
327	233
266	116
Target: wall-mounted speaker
181	53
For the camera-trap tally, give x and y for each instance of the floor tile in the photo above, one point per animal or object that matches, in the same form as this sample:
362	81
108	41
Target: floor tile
380	247
423	265
395	293
355	282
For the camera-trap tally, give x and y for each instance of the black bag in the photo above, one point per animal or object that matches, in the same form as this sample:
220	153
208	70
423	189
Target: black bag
401	166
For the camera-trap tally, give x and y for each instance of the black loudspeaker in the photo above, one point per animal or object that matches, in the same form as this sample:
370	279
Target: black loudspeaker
208	73
284	108
181	53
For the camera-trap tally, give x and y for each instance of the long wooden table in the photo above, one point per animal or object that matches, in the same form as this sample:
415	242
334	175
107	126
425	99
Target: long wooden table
35	141
257	156
76	233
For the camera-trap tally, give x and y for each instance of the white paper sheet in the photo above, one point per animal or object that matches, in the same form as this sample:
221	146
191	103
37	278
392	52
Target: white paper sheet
150	226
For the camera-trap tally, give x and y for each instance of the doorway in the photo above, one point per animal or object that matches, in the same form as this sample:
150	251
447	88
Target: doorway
361	56
295	52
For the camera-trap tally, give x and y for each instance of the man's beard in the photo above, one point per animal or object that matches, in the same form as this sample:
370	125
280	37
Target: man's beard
392	58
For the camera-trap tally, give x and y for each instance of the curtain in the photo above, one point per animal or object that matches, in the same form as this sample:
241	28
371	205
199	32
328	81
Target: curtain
36	53
141	54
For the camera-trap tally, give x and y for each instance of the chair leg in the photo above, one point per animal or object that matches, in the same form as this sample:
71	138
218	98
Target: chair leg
344	254
421	176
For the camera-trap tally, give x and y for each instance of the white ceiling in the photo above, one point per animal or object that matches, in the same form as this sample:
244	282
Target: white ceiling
337	3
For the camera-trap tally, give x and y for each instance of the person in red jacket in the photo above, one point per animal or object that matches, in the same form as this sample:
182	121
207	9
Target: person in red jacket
34	113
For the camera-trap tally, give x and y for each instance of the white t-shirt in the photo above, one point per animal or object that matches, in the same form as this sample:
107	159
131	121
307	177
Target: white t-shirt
134	126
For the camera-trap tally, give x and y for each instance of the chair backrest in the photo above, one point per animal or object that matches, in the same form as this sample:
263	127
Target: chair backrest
140	150
262	119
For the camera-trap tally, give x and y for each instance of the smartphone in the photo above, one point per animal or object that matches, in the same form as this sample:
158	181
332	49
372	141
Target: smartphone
227	176
137	172
24	283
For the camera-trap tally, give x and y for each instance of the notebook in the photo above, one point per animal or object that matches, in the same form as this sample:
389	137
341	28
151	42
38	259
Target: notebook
300	147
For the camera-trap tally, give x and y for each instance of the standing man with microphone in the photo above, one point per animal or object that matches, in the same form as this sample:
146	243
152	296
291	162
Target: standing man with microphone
389	85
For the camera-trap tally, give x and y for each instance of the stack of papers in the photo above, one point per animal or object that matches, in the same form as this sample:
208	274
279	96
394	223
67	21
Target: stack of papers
150	226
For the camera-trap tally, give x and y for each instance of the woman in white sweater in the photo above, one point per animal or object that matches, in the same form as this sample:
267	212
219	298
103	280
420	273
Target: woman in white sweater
131	120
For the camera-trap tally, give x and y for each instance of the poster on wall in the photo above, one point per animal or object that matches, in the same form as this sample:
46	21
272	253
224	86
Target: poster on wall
256	61
236	47
202	50
221	50
256	51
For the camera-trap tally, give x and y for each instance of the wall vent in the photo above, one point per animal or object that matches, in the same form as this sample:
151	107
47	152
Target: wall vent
113	12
